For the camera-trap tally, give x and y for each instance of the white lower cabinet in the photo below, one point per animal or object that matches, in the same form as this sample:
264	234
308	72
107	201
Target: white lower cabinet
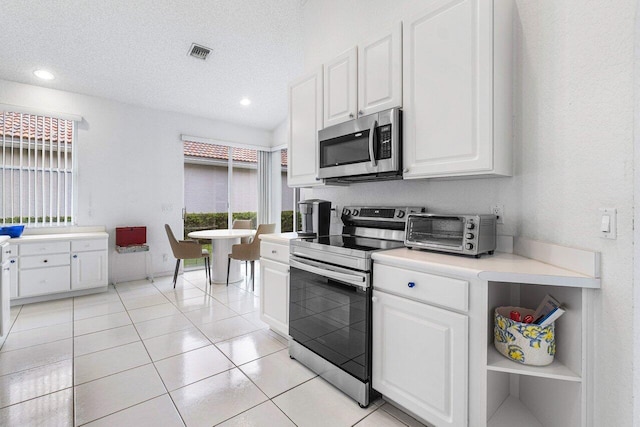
40	281
51	264
88	263
88	269
274	302
420	358
274	277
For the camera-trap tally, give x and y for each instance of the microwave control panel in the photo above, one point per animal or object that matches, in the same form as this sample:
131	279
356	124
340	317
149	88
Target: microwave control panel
384	147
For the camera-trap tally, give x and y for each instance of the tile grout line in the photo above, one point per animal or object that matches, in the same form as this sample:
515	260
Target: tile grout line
152	363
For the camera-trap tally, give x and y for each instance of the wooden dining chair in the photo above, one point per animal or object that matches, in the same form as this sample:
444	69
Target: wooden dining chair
187	249
249	251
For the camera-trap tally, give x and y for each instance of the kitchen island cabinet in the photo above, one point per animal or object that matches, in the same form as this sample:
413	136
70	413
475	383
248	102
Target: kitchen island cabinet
498	392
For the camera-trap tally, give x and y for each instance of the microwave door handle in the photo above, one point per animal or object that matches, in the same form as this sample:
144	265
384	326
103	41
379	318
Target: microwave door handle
331	274
372	133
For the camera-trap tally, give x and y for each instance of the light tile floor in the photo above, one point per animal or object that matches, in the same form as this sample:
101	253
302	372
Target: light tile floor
147	354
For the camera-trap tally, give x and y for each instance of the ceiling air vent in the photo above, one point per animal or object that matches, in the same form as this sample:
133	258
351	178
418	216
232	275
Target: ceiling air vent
198	51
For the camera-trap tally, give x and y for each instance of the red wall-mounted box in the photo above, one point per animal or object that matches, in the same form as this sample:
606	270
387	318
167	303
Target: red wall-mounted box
128	236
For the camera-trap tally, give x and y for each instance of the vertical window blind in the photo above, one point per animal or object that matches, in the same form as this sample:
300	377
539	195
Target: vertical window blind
36	169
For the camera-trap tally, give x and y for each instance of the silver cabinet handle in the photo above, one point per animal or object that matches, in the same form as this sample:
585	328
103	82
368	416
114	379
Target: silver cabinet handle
351	115
273	251
360	113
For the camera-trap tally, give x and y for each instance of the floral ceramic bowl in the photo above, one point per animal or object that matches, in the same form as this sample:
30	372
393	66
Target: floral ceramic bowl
525	343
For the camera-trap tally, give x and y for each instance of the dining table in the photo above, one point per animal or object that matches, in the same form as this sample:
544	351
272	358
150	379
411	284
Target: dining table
221	242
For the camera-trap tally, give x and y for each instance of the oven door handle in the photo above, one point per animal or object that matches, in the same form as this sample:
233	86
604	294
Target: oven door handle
372	137
326	271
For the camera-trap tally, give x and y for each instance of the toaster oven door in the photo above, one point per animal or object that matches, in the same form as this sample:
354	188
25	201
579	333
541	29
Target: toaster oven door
438	232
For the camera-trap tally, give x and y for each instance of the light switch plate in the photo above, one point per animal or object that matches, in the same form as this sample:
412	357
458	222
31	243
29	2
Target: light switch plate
613	223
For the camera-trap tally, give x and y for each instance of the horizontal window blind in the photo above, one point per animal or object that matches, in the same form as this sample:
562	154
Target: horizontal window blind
36	167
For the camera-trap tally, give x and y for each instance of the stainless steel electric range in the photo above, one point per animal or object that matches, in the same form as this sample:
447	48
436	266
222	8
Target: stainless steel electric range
330	296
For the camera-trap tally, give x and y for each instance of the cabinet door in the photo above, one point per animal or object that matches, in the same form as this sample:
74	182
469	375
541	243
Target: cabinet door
40	281
13	277
340	88
5	282
274	301
420	358
380	73
88	269
305	119
448	90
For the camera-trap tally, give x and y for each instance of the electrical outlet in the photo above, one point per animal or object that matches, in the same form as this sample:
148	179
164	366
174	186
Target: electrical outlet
498	210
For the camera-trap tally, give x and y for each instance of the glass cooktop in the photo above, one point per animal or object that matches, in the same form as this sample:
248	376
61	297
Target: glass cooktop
356	243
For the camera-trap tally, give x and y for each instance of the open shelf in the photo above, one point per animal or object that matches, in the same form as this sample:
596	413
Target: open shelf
556	370
513	413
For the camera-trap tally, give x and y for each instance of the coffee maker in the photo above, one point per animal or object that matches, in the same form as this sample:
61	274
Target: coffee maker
316	217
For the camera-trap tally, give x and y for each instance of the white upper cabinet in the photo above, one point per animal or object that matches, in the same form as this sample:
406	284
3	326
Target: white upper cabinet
340	88
380	72
457	90
305	119
364	80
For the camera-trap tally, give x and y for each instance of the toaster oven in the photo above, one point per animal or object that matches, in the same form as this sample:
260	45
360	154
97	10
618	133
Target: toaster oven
459	234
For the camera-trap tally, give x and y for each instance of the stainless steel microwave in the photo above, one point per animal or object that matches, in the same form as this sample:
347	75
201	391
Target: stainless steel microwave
459	234
363	149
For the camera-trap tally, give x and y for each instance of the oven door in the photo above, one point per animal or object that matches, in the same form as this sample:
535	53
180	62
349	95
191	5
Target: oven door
330	314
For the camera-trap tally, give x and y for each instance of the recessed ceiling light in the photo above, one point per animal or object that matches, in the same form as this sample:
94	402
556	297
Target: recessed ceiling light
44	74
245	101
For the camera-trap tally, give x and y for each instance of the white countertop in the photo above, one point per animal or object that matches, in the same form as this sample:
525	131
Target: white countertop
4	239
29	238
282	238
500	267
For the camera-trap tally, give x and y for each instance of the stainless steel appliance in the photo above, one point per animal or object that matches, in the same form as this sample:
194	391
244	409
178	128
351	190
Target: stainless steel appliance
363	149
316	217
330	296
459	234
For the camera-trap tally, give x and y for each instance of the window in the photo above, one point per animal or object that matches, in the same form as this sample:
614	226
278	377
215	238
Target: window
36	170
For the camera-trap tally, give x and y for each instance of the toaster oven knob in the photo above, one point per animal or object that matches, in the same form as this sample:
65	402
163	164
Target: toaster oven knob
355	212
469	236
469	246
470	226
346	212
400	213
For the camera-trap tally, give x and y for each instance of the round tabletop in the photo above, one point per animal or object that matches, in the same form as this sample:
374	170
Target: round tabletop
221	234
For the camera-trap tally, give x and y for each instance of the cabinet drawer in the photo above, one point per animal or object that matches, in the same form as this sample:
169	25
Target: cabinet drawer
49	260
44	281
44	248
429	288
89	245
275	252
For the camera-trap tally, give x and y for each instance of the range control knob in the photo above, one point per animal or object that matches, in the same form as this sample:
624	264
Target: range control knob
470	226
469	246
469	236
401	213
356	212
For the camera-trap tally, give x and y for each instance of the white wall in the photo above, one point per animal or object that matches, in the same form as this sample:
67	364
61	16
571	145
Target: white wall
130	163
573	150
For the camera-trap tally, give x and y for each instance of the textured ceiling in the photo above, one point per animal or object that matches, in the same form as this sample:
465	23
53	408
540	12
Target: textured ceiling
136	52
